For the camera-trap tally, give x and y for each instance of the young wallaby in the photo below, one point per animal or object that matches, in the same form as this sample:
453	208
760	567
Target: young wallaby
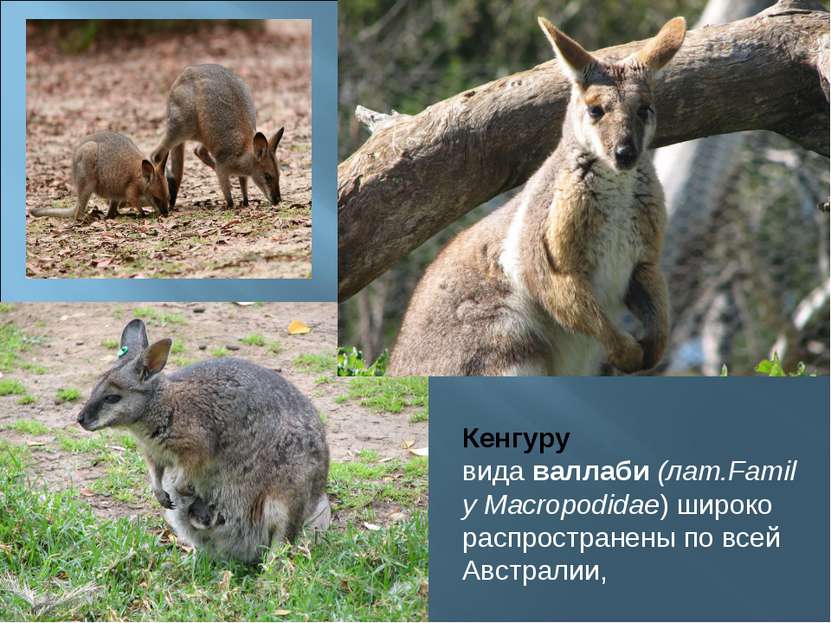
110	165
213	106
236	439
202	515
539	285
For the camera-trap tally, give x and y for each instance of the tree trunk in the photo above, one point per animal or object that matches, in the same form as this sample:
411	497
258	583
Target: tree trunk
696	175
418	174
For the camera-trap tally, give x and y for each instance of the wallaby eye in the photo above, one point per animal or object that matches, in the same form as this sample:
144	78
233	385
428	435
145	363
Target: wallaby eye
268	178
112	398
595	112
643	111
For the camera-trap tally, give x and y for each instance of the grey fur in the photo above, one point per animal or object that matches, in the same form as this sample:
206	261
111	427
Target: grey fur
233	439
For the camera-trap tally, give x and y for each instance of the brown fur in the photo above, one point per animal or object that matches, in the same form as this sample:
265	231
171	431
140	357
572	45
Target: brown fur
514	293
110	165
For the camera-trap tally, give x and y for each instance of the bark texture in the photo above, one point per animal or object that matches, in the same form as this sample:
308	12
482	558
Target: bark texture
419	173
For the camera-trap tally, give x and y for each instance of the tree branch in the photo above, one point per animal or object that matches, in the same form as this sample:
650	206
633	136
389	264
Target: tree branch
416	175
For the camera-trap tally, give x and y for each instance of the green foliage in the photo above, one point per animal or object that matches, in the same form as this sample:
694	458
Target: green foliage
110	343
773	367
220	352
68	394
5	308
26	399
352	363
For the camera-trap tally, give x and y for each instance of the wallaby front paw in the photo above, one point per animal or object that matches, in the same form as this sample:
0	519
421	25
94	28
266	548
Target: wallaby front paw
164	499
628	357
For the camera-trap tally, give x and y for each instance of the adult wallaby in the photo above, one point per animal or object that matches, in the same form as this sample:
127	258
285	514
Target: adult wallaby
538	286
110	165
212	105
236	454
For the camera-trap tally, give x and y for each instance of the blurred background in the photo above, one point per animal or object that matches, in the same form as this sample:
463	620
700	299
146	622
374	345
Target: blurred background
746	250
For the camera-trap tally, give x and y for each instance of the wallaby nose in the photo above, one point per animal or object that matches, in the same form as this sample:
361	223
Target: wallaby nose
625	154
275	199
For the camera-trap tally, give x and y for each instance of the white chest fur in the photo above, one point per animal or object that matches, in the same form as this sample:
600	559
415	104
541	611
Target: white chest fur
614	249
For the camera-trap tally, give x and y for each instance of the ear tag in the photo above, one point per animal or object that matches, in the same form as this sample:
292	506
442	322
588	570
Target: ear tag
123	351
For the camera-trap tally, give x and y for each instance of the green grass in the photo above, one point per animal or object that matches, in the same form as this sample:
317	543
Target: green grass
182	362
12	343
11	387
220	352
27	399
34	368
317	364
5	308
68	394
358	484
274	347
110	343
53	543
254	339
158	317
28	427
390	394
178	347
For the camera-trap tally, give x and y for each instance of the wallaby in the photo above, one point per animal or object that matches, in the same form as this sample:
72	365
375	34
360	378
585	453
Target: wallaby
212	105
538	286
236	439
110	165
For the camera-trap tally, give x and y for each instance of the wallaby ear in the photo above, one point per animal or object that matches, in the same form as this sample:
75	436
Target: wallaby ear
153	359
161	165
260	145
574	60
134	336
275	140
659	50
147	170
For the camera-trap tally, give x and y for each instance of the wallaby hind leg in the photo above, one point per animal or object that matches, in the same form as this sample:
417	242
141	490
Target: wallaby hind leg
113	210
177	170
243	186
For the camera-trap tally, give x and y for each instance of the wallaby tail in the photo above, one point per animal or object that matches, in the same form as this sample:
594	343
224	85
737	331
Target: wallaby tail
66	212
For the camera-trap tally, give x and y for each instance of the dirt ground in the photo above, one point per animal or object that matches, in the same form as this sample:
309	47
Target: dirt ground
69	348
121	84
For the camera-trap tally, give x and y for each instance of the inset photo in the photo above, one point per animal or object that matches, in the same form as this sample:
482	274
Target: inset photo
207	449
583	189
168	149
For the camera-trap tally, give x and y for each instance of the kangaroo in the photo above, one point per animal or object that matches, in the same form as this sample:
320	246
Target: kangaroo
110	165
538	286
236	454
213	106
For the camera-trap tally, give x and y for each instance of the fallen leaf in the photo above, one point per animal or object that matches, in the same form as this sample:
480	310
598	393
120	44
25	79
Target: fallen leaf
297	327
419	451
281	613
408	443
35	443
371	526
